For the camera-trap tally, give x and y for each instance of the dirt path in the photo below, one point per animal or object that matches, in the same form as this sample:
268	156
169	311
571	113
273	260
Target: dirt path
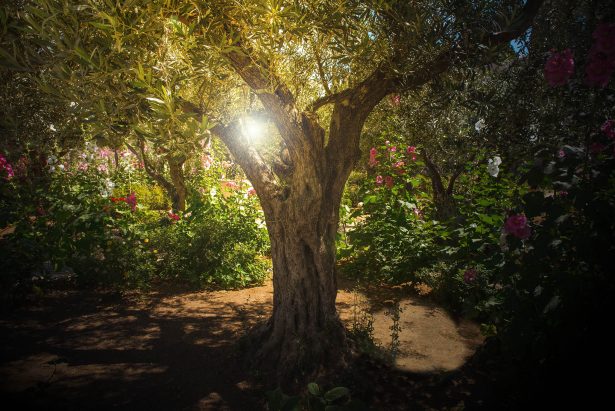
79	350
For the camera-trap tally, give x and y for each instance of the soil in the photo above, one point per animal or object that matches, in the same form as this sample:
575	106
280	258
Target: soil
79	350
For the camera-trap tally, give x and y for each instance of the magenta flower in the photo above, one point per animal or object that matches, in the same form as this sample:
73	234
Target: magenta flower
469	276
608	128
561	153
251	192
372	157
6	166
379	180
410	149
392	148
517	225
559	68
174	217
395	99
131	200
388	181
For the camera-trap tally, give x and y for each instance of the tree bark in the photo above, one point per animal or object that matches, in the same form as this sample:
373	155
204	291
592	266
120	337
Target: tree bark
442	198
178	179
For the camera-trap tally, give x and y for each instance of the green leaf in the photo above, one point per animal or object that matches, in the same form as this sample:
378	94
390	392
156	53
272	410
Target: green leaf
314	389
336	393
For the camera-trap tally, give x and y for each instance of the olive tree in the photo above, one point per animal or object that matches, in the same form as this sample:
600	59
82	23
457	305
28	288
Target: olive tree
315	71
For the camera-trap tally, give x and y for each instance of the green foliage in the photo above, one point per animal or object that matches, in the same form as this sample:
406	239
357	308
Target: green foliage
316	399
79	223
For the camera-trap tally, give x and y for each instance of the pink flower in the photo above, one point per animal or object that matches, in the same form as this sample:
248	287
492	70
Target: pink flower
392	149
470	275
517	225
561	153
413	157
599	69
388	181
174	217
604	38
608	128
596	148
411	149
395	99
131	200
6	166
251	191
231	184
559	68
418	213
400	167
372	157
379	180
82	166
103	168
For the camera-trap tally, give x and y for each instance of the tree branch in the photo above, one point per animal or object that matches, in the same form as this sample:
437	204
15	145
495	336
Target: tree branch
248	158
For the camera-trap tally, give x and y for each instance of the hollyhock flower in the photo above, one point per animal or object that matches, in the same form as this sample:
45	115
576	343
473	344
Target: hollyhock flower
596	148
131	200
518	226
372	157
559	68
493	166
379	180
604	38
231	184
410	149
479	125
469	276
399	166
599	69
608	128
388	181
251	191
6	166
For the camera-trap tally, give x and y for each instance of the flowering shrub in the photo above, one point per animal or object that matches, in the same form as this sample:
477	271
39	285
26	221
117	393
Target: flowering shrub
601	58
517	225
559	68
80	223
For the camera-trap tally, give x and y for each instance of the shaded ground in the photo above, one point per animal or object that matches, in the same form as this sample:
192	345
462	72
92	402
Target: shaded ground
78	350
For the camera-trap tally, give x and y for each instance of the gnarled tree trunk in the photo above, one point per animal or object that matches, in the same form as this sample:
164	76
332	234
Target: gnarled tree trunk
178	190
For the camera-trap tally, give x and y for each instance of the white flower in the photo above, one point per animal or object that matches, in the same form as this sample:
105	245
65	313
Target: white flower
61	166
52	127
480	124
213	192
52	159
492	166
52	169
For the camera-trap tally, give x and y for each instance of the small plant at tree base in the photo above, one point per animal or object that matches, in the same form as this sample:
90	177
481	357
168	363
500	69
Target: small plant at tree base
316	399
